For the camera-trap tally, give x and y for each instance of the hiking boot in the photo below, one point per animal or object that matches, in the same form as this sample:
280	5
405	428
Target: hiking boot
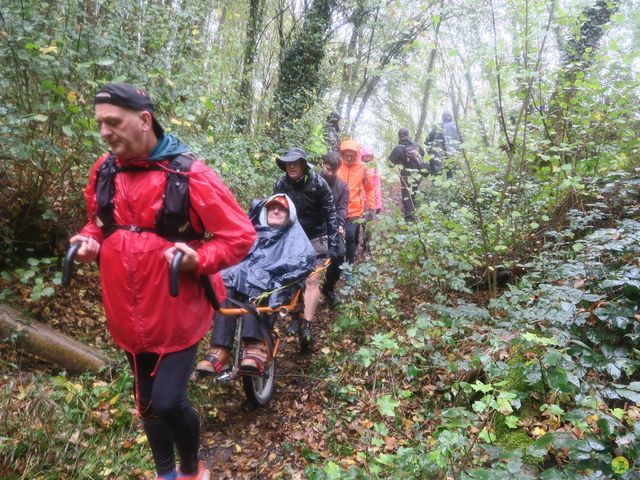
306	335
254	358
294	326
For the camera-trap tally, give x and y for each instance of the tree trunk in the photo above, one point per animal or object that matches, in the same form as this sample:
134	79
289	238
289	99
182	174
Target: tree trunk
578	57
427	91
347	69
474	101
256	10
428	82
43	341
299	77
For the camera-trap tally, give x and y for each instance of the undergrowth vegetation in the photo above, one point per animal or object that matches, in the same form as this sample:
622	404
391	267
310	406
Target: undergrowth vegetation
495	337
540	381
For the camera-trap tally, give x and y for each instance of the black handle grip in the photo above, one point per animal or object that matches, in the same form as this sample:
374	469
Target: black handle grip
67	264
174	274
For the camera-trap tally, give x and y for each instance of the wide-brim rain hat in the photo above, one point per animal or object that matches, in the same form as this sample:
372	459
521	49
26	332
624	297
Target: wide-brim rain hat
292	155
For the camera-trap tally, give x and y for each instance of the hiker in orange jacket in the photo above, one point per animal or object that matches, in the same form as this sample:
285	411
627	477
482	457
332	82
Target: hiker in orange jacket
361	192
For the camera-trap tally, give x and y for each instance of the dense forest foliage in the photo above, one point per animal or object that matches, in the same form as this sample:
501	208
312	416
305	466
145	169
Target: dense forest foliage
494	337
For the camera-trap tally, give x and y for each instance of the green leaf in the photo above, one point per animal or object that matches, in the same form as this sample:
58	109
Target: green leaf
481	387
511	421
618	413
387	405
366	356
544	441
504	406
385	459
533	338
558	379
576	247
47	291
479	406
333	471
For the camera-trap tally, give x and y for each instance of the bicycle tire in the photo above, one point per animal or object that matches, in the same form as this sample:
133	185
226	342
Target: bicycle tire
259	388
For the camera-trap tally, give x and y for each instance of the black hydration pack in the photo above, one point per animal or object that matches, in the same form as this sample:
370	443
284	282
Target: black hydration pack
173	220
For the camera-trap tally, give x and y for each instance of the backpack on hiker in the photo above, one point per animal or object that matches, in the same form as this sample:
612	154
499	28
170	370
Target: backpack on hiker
413	158
173	220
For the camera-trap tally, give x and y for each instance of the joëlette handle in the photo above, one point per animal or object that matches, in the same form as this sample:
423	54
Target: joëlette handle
174	274
67	264
174	280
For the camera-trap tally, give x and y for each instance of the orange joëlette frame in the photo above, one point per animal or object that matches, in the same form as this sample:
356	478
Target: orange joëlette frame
289	307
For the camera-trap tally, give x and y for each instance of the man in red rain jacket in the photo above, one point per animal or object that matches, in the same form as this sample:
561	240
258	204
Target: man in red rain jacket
158	332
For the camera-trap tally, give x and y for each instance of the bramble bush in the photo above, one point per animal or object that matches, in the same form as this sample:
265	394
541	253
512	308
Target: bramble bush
540	382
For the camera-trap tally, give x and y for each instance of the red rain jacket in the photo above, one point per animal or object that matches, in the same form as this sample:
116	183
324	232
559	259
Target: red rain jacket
141	315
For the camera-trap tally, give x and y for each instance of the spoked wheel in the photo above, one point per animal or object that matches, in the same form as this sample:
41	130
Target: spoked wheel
259	388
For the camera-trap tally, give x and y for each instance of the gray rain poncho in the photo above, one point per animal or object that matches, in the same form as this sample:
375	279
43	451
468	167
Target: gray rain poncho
280	256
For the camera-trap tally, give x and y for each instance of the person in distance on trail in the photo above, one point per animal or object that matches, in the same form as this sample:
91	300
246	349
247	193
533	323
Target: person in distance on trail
280	257
332	132
361	193
138	220
340	191
443	142
408	156
368	159
316	209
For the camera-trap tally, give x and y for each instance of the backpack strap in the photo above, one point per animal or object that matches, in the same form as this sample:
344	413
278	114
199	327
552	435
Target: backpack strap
173	219
105	191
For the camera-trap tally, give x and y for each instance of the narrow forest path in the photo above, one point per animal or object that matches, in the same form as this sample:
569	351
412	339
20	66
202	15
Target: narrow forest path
240	442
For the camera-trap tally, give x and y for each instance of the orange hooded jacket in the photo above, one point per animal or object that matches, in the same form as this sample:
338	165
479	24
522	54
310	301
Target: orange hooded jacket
358	179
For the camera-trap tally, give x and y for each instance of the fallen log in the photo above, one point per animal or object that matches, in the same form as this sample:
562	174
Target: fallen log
43	341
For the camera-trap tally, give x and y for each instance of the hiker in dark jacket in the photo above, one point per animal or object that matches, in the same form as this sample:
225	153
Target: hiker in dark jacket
332	132
408	155
316	209
443	142
340	191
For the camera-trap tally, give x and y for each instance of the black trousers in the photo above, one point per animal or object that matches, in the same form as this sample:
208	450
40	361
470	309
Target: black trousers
408	188
333	275
351	236
169	420
224	325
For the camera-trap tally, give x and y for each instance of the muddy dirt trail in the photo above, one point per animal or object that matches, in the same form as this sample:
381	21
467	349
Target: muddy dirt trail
242	442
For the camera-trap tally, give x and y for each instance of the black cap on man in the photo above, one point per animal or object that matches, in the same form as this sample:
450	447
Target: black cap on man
128	96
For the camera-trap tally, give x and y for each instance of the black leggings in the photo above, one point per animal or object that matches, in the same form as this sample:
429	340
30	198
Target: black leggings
167	416
351	236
